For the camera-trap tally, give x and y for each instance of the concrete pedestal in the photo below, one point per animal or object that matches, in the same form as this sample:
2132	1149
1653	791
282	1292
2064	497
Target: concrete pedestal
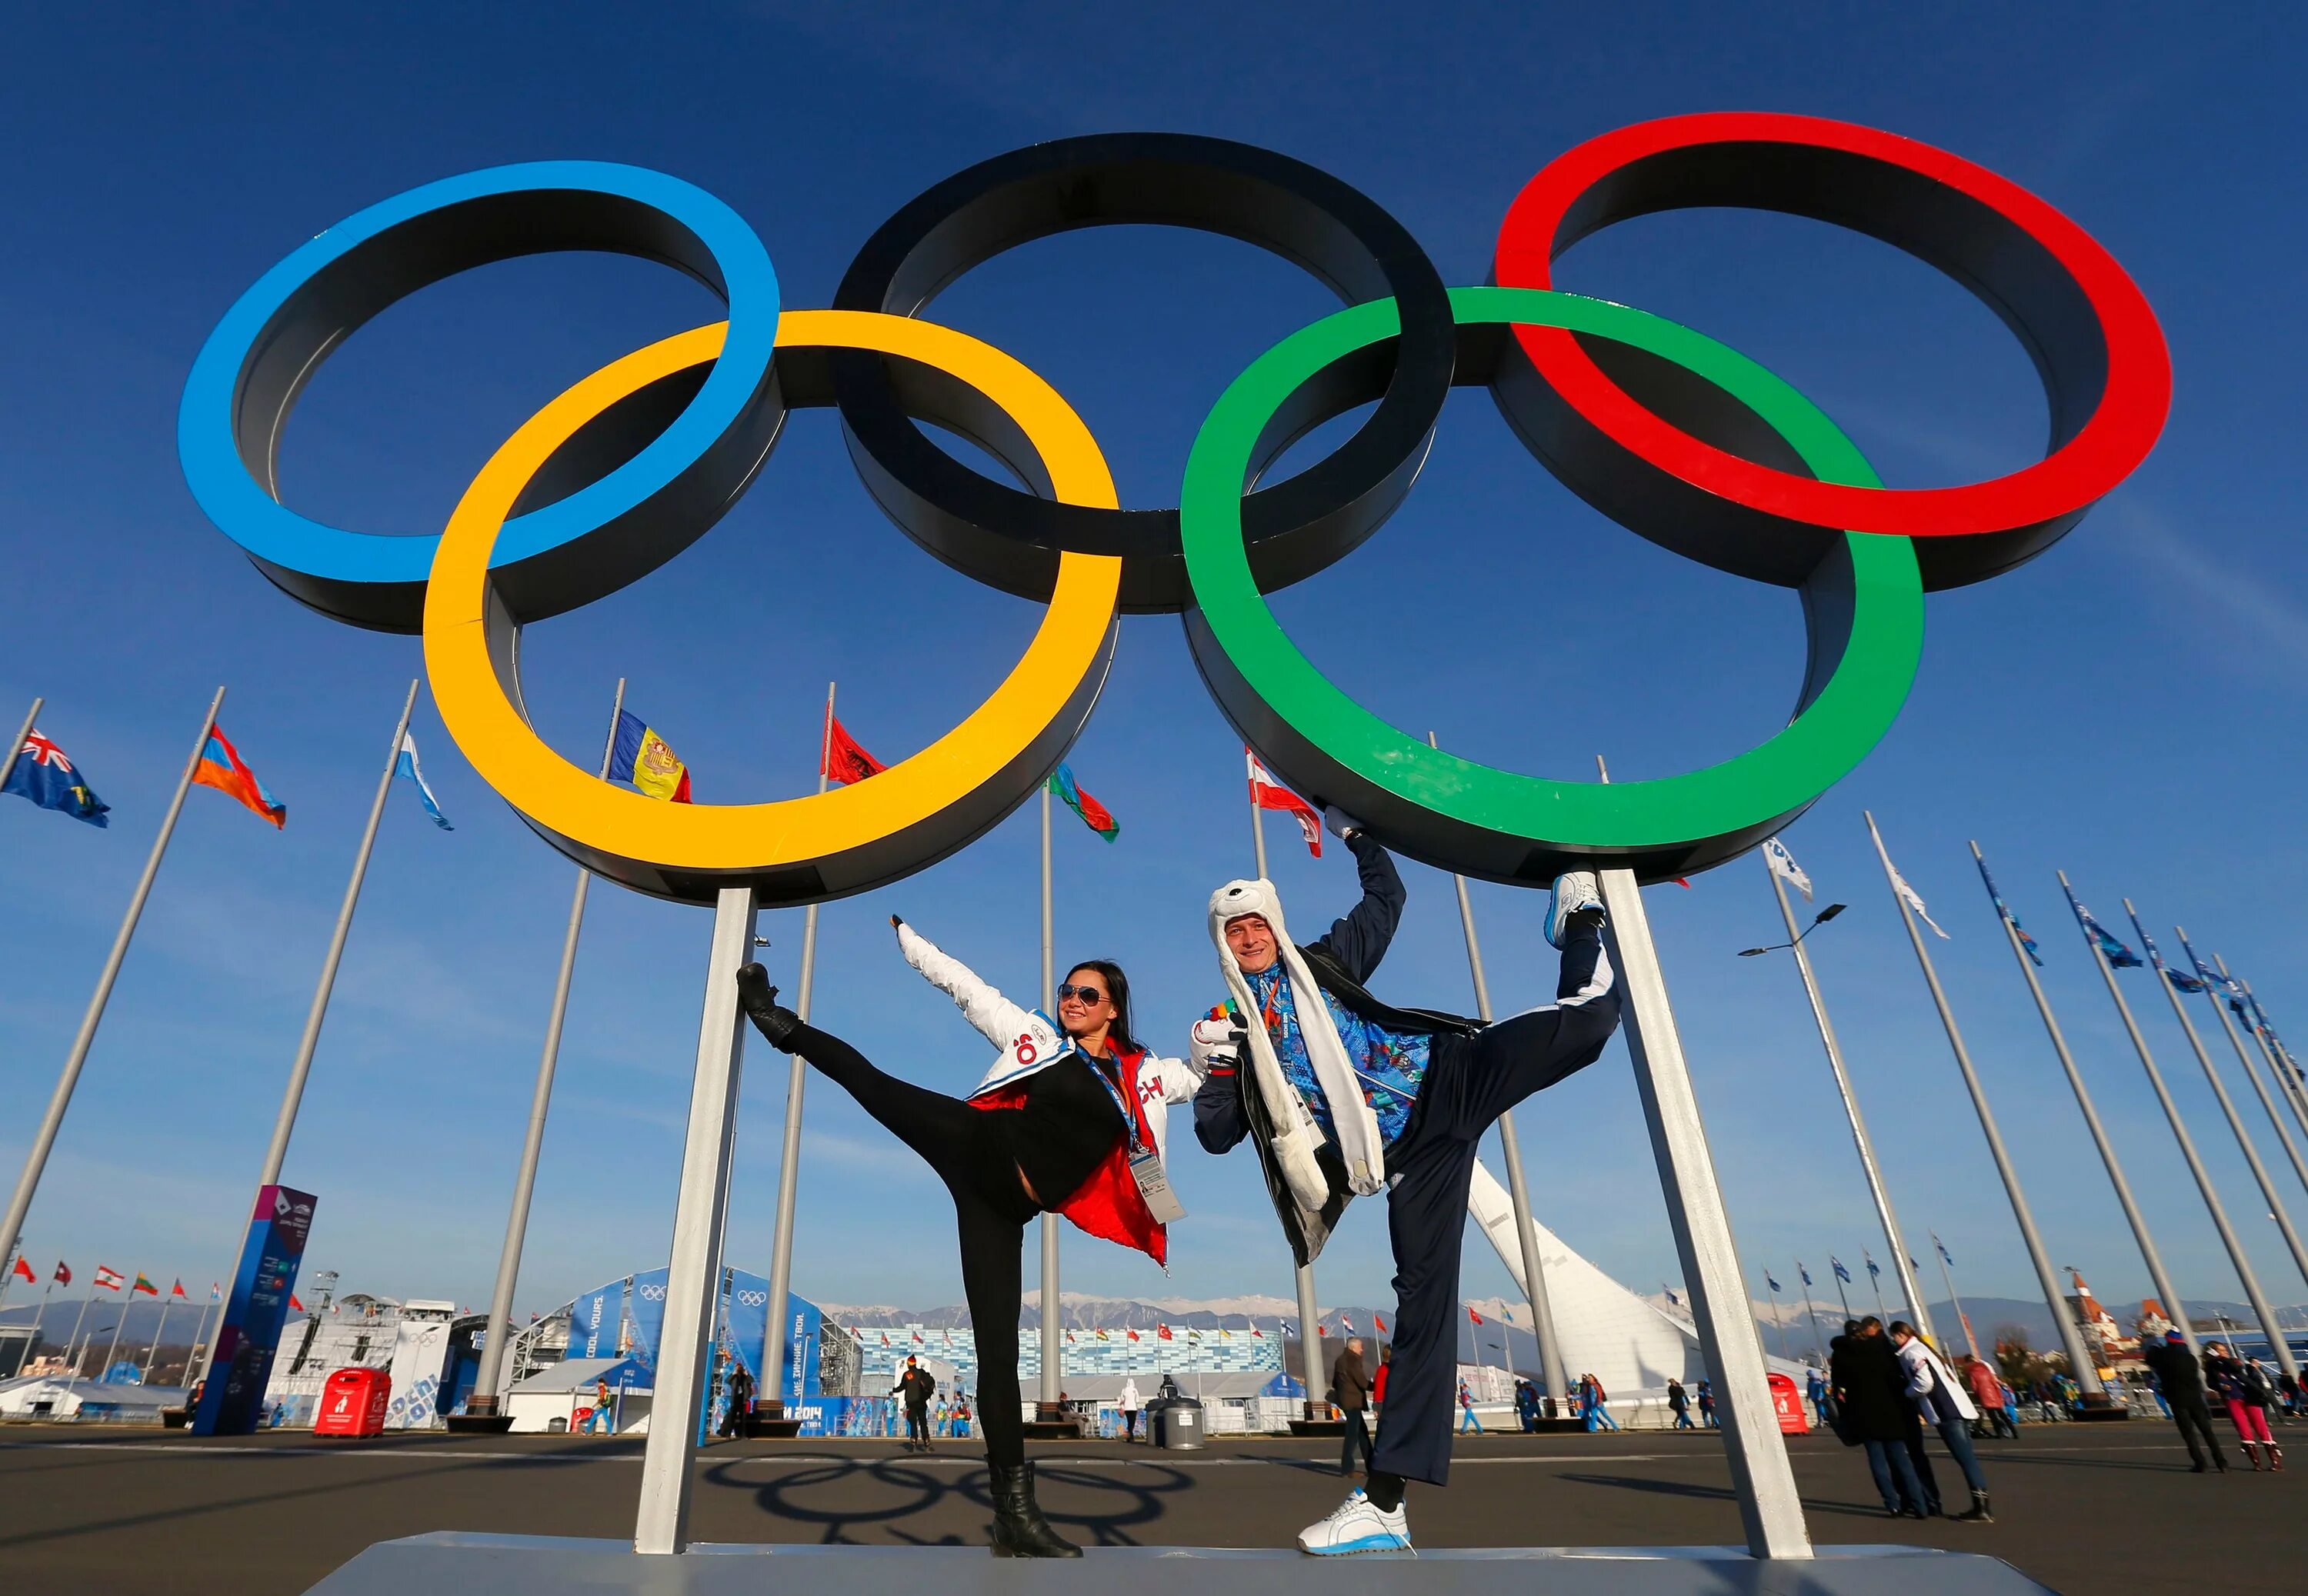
455	1564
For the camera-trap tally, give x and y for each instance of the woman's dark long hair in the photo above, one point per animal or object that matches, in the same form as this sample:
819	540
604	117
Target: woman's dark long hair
1118	990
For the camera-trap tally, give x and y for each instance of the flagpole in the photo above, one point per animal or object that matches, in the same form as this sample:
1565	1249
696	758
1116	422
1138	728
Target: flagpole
1778	1323
79	1319
2131	1213
2087	1377
192	1352
484	1400
128	1300
1533	1269
16	749
2219	1215
2286	1076
35	1160
2236	1122
1050	1410
1876	1283
162	1329
2260	1089
1962	1318
1770	1509
1819	1338
1840	1295
8	1270
1868	1166
781	1238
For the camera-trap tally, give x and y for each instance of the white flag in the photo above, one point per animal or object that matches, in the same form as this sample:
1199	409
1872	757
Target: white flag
1908	895
1784	866
405	765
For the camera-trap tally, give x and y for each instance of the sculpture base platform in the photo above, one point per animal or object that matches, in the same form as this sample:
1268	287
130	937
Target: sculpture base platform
457	1563
1054	1429
480	1424
1320	1429
769	1426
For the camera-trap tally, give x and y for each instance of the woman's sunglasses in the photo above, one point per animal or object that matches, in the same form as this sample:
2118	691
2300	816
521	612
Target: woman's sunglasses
1088	994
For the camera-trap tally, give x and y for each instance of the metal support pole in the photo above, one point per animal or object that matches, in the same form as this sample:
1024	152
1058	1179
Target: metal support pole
79	1319
778	1353
1049	1408
1819	1338
1534	1271
1868	1167
2079	1363
113	1348
2278	1064
2260	1089
487	1379
11	1224
2131	1213
686	1341
159	1331
2236	1122
16	749
1769	1505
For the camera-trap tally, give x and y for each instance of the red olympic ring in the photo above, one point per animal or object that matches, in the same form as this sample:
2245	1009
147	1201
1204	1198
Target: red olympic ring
2096	343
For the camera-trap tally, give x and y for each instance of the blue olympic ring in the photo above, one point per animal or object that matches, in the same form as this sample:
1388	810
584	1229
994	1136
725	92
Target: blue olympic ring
610	526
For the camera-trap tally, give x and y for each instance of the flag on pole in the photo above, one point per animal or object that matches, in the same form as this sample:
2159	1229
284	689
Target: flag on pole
2210	974
2118	956
1267	792
294	1305
1256	1334
1842	1272
1772	1285
1908	895
143	1285
63	1274
1320	1330
1094	814
1471	1314
1132	1335
1944	1255
2181	982
108	1277
405	765
178	1290
1784	866
845	759
1874	1269
1804	1271
647	760
46	777
23	1270
222	768
1380	1320
1162	1333
2035	956
1671	1299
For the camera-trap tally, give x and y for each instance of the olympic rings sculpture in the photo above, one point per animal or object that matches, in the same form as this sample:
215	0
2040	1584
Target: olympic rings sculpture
1677	437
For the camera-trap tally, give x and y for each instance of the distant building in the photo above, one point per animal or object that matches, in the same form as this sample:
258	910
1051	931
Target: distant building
2111	1349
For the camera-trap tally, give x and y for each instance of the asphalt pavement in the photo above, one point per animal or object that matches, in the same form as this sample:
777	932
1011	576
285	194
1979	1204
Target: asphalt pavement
2078	1507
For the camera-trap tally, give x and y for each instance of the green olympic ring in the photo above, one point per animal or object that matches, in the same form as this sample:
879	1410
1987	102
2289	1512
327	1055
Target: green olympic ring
1863	609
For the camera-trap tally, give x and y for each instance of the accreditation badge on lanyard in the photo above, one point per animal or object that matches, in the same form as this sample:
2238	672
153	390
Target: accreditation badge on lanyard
1145	1162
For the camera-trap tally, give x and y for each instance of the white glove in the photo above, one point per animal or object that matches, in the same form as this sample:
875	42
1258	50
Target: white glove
1343	825
1214	1043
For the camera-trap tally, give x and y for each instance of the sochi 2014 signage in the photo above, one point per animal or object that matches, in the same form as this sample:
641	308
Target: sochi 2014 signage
1680	439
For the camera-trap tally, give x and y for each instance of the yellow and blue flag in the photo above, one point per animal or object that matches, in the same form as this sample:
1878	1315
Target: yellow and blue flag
648	760
45	775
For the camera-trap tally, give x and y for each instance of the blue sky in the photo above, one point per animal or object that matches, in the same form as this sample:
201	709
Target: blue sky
2118	707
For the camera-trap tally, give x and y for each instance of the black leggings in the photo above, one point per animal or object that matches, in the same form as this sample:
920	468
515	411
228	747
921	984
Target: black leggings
967	1149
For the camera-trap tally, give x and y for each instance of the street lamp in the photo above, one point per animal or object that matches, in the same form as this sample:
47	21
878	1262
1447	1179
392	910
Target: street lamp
1818	920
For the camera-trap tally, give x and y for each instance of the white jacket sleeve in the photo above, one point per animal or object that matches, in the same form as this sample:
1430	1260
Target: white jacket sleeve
994	1017
1180	1079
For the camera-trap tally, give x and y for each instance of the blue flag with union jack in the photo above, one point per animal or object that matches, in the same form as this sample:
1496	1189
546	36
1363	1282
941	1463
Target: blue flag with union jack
44	775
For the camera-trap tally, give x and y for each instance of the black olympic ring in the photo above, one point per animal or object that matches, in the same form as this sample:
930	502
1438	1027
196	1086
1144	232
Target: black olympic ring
1012	540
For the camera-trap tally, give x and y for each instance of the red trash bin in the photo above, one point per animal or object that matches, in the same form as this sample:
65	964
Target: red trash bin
1786	1402
353	1402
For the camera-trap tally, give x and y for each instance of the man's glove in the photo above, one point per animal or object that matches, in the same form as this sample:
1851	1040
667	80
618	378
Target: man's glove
1343	825
1215	1044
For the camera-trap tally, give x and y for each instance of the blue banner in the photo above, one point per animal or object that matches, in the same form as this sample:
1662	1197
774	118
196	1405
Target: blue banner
232	1398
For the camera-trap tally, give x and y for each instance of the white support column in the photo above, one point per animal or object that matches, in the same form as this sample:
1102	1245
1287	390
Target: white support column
1768	1505
686	1344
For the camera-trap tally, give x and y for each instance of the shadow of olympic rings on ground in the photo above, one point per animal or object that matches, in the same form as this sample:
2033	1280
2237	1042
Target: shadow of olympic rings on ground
1127	1504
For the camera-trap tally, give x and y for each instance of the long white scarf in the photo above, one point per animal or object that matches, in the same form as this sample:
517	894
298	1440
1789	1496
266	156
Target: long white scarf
1296	1134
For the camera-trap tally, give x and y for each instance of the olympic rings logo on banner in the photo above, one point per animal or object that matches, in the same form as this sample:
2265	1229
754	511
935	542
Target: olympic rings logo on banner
1679	439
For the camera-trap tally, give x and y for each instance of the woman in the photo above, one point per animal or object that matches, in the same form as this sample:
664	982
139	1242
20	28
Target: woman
1070	1120
1872	1410
2245	1388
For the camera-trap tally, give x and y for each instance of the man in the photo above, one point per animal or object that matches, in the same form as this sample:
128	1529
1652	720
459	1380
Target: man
741	1402
1707	1420
1678	1403
915	1386
1130	1402
1816	1384
1941	1401
2181	1378
1350	1395
599	1421
1341	1095
1871	1411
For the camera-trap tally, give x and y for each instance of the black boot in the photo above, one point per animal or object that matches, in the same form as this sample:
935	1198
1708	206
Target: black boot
759	1000
1979	1515
1020	1529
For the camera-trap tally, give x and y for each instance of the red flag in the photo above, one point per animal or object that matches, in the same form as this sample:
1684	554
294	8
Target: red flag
1266	792
1320	1330
1257	1333
1162	1333
1132	1334
295	1306
23	1270
1380	1321
180	1290
843	761
108	1277
1474	1316
64	1275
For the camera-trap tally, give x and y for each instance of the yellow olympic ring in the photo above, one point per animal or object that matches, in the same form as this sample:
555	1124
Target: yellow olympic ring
826	844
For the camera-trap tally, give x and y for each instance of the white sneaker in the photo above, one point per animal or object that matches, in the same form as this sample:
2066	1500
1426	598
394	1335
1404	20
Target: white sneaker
1574	892
1357	1526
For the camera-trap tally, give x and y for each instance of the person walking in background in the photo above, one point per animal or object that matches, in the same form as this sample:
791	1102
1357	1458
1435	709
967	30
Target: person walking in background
914	1387
2246	1389
1989	1396
1378	1380
1130	1402
1350	1386
1815	1388
1706	1406
1527	1407
1467	1420
1678	1403
1873	1412
1940	1400
2180	1380
741	1402
599	1421
1602	1419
